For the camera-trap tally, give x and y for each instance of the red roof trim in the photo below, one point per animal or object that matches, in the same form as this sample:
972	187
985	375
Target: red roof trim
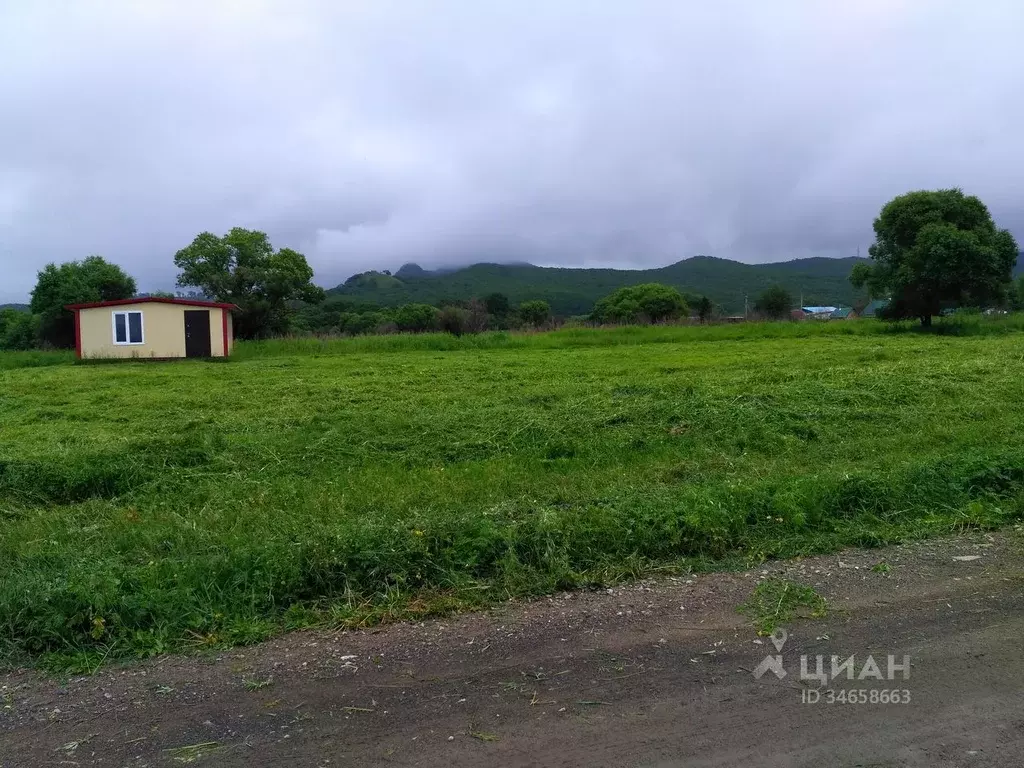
78	336
152	300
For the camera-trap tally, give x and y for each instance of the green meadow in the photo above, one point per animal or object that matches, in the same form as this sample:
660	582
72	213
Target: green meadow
148	507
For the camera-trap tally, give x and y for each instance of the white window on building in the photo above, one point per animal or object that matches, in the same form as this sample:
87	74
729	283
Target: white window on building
127	327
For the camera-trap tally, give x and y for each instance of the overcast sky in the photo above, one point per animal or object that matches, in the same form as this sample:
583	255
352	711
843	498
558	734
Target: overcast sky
368	133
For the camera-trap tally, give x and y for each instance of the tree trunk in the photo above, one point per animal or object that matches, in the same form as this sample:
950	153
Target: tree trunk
926	321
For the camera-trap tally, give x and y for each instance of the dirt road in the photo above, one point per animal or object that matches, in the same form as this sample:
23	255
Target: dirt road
658	673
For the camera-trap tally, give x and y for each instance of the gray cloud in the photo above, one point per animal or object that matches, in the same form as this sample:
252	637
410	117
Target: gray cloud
373	132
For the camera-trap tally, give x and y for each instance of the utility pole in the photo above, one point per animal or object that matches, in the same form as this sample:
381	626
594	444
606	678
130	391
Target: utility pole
746	307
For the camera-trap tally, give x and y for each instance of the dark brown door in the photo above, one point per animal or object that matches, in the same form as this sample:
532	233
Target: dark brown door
197	333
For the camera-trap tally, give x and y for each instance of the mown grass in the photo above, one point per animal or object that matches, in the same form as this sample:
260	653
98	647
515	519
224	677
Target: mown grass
146	507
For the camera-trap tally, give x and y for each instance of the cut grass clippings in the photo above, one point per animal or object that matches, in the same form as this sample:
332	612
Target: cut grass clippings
775	602
151	507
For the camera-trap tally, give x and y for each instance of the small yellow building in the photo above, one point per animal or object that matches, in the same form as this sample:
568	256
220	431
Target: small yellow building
153	328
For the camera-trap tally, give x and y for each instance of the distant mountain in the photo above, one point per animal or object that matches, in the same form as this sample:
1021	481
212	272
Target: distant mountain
19	307
413	270
820	281
1018	269
407	271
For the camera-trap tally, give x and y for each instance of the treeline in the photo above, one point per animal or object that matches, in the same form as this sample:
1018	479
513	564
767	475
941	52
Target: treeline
633	305
490	313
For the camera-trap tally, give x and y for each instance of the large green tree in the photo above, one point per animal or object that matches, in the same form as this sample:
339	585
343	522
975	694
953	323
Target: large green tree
704	308
243	268
774	302
497	304
74	282
935	250
644	303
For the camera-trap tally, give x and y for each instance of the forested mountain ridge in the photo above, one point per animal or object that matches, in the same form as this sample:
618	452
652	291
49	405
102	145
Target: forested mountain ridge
572	291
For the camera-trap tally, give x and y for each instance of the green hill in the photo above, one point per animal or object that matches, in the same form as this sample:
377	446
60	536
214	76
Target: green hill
574	291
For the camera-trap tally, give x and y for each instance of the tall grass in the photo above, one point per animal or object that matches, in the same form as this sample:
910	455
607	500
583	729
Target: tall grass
35	358
575	337
146	507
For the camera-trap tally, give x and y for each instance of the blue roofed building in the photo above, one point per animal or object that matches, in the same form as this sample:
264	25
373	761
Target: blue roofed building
816	312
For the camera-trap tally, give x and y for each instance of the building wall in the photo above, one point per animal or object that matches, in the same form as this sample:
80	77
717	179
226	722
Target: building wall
216	330
163	331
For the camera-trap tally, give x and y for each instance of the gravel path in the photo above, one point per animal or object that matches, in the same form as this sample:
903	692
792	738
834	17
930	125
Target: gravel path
657	673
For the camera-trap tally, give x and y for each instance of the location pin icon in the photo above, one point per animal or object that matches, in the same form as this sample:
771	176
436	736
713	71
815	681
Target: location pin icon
779	638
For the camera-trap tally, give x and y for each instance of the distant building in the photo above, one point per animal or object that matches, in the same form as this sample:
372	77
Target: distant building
818	313
841	313
153	327
873	308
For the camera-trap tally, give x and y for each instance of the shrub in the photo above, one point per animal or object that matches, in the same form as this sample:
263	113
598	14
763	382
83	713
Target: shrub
416	318
18	330
453	320
535	313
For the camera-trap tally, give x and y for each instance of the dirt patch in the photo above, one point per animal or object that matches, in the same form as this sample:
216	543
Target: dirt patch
657	673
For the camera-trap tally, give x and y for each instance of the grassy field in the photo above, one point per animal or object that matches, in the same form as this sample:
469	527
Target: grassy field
152	506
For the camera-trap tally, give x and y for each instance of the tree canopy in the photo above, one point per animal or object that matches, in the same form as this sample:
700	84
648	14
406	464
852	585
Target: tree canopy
1017	294
536	312
774	302
416	318
937	249
243	268
497	304
644	303
74	282
18	329
704	308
